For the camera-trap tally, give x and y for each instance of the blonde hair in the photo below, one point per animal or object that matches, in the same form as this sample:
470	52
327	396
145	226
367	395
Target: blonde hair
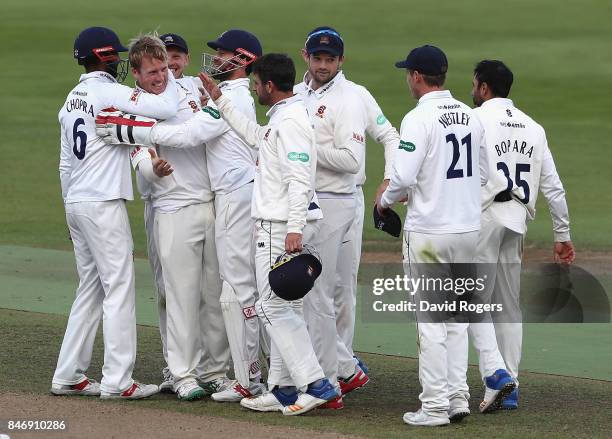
146	45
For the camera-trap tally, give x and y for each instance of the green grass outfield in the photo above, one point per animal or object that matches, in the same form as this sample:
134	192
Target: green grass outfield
558	51
45	281
550	406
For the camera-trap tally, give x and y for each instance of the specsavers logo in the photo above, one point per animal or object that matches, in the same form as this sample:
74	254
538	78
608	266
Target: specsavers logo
214	113
298	156
407	146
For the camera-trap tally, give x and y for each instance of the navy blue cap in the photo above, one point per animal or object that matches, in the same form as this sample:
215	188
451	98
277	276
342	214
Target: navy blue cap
235	39
428	60
325	39
174	40
96	38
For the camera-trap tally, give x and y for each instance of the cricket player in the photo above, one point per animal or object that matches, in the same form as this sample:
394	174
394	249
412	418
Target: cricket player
337	113
520	163
231	166
440	166
345	298
282	205
184	237
178	60
96	182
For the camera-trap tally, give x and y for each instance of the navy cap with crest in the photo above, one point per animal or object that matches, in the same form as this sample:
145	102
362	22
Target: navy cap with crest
427	60
325	39
235	39
96	39
174	40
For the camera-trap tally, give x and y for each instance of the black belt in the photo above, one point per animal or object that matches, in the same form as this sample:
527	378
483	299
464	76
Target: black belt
502	197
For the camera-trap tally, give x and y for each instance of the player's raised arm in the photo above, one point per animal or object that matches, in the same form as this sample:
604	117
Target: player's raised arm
250	131
149	63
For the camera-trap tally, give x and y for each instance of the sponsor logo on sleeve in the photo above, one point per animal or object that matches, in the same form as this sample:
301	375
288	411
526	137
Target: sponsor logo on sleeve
213	113
358	138
381	119
135	95
298	156
249	312
407	146
194	106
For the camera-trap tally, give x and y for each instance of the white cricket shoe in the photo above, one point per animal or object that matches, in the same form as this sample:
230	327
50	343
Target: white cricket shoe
136	391
422	419
216	385
497	387
235	392
87	387
266	402
167	385
189	390
459	409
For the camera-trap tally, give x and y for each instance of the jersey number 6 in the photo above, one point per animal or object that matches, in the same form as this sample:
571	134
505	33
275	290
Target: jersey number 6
79	139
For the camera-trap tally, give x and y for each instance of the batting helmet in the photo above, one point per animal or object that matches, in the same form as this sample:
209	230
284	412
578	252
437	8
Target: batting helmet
293	275
103	44
245	46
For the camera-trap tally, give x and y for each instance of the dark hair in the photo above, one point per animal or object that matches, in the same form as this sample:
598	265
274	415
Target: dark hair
496	75
278	68
434	81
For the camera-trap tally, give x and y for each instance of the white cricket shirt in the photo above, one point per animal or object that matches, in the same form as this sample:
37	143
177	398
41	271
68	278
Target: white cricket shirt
441	164
284	181
520	161
337	114
91	170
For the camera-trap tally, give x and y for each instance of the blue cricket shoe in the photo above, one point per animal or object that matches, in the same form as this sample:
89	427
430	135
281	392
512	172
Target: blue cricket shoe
497	387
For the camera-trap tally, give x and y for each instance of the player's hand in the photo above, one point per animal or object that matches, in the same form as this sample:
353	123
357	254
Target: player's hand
564	253
293	242
161	167
118	128
381	189
204	98
210	86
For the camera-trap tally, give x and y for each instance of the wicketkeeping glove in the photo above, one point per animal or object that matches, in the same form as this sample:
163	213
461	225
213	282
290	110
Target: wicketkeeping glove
118	128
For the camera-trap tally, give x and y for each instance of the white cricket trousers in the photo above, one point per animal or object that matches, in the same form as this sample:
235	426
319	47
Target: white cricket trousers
186	247
156	269
327	236
103	250
443	347
234	238
345	298
293	361
501	250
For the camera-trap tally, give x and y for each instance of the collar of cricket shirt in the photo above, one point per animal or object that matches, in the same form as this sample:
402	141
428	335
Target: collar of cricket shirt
282	104
338	79
498	101
439	94
98	75
233	83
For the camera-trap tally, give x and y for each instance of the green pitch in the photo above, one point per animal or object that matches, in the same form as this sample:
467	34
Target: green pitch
559	54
